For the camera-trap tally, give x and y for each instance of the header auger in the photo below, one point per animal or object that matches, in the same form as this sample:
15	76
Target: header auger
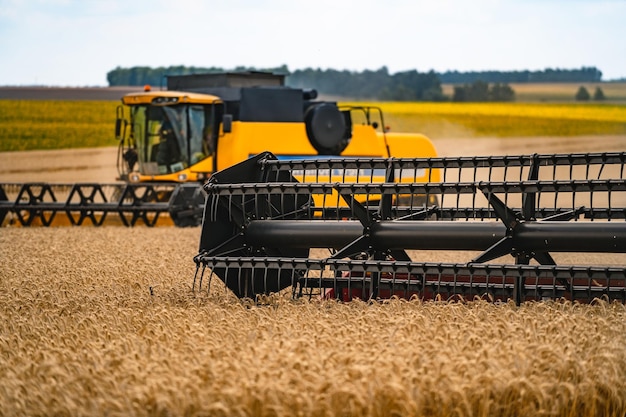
354	227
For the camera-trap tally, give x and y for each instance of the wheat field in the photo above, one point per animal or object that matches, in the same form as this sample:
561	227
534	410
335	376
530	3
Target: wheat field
64	124
503	120
102	321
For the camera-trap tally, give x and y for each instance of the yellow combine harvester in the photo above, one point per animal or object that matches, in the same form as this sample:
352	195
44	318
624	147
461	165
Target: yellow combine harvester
207	122
173	140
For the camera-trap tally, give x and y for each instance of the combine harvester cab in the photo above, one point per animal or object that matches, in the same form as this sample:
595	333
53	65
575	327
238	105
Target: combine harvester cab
173	140
272	225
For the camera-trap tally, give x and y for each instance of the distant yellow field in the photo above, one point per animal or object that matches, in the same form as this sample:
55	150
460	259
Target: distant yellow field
40	124
464	120
35	124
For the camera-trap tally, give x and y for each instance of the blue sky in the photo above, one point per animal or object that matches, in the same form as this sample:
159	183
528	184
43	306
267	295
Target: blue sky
76	42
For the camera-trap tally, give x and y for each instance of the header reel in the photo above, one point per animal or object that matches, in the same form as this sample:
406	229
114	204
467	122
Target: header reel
266	220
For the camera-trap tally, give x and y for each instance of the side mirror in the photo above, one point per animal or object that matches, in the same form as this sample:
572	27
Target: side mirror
120	123
118	128
227	123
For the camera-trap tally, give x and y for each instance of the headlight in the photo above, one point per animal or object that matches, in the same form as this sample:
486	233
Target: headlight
133	177
182	177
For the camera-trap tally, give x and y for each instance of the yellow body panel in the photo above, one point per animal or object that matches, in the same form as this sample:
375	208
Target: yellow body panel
252	138
187	174
410	145
288	140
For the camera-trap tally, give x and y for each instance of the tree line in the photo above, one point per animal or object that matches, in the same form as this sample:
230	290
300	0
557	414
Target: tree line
378	84
549	75
482	91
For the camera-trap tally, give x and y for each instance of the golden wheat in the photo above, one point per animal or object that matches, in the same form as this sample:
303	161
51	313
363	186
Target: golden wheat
104	322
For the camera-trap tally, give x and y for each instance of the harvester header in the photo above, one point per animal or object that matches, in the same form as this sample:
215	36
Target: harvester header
353	227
